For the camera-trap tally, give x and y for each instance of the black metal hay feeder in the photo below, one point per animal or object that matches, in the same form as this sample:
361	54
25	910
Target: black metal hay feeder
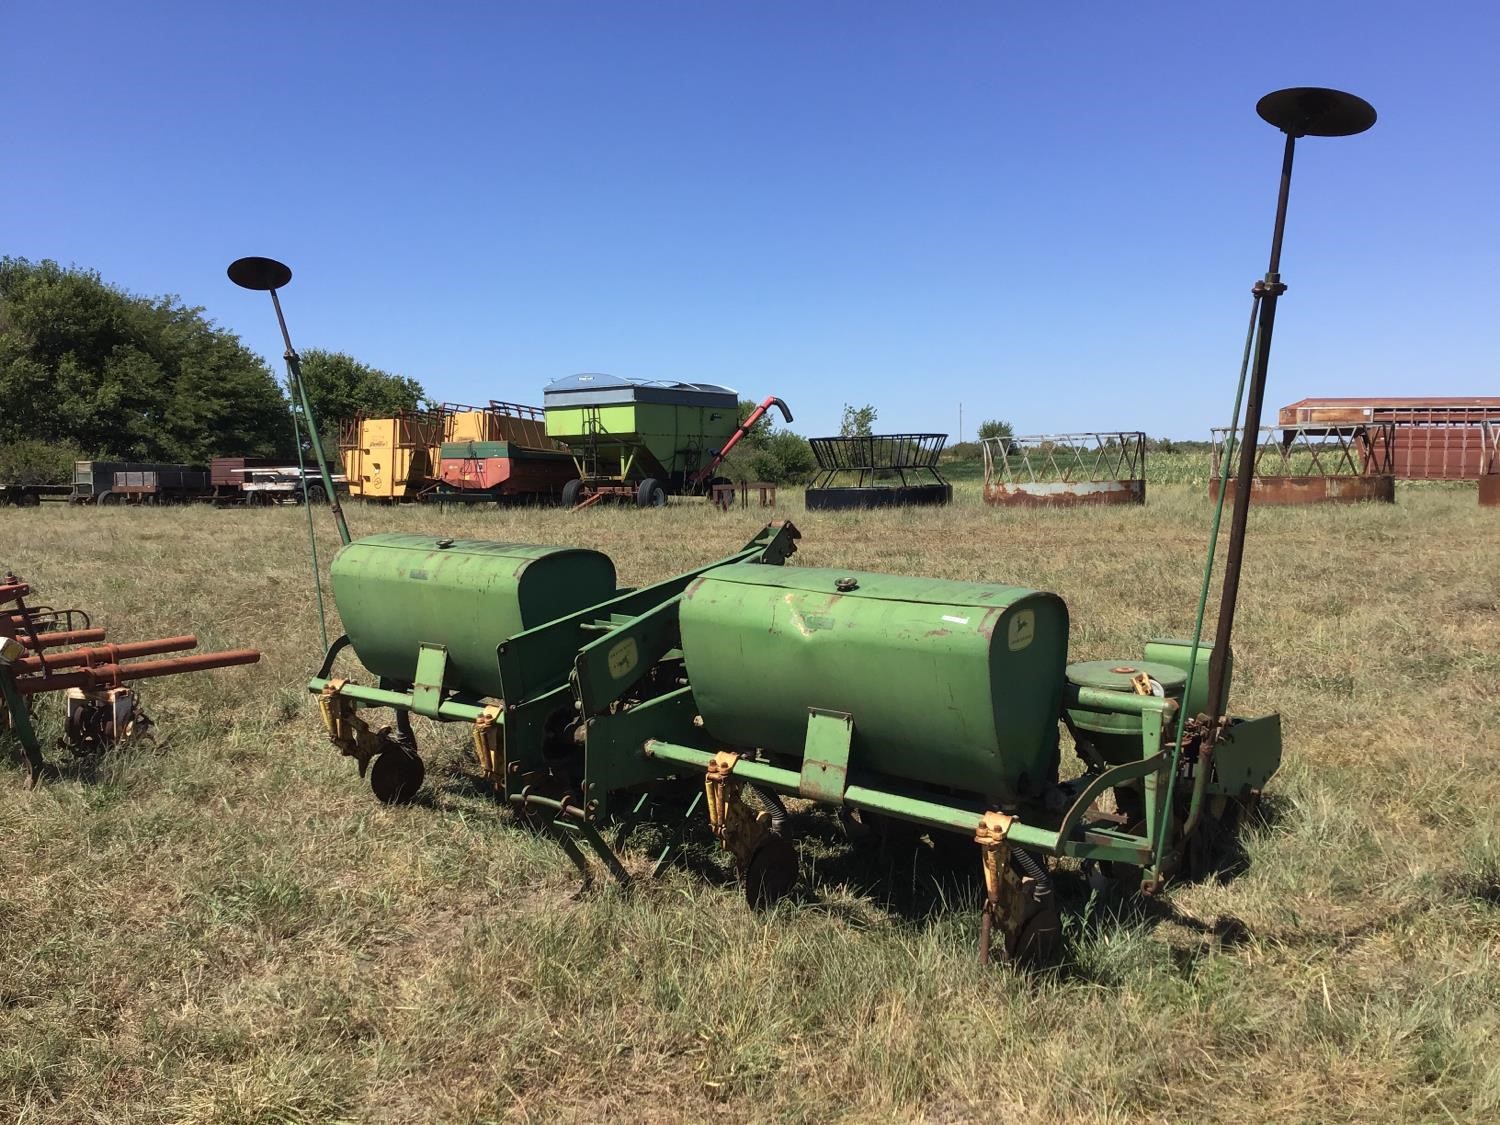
878	471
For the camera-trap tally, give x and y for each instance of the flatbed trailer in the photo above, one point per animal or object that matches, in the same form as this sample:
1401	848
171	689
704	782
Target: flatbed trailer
30	495
266	485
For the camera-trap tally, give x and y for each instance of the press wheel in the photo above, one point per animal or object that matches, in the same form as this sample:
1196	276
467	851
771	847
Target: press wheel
771	872
1040	936
396	775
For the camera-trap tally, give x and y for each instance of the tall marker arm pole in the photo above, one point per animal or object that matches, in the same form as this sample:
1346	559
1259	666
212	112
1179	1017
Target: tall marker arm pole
1303	111
294	366
1268	290
269	275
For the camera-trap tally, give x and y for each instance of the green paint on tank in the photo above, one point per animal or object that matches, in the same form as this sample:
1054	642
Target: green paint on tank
956	685
397	592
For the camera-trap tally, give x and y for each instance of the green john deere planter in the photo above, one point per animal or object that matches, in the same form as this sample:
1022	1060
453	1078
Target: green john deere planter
745	681
742	682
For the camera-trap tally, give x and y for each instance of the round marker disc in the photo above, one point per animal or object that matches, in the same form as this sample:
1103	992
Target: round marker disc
1313	111
259	273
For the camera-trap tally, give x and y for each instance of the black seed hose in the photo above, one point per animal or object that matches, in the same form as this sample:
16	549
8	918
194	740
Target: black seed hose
770	801
1033	867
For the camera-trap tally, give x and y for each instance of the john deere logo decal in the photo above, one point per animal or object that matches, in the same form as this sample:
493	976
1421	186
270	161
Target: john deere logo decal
1022	629
622	658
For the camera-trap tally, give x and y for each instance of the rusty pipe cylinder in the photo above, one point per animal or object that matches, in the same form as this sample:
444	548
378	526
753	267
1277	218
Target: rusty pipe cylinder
10	591
57	640
98	657
105	675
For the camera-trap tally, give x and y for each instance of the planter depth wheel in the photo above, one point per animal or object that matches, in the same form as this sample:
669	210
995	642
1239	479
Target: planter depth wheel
396	774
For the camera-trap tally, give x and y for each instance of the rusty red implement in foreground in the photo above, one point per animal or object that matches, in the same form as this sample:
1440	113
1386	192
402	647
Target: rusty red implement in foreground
100	710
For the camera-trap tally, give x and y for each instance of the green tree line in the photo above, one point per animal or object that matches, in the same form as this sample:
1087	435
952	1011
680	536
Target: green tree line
89	370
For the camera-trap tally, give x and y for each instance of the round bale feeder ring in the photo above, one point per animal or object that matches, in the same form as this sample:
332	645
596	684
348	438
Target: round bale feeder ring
878	471
1316	464
1065	470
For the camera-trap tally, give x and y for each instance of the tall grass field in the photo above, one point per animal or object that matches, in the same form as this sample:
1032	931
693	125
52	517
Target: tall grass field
223	925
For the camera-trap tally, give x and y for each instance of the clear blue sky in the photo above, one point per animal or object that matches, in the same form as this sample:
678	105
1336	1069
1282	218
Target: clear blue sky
1051	213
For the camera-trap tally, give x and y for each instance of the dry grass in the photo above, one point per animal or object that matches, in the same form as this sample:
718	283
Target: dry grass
229	928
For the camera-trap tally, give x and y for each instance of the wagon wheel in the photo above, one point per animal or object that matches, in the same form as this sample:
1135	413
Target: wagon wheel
315	494
651	494
1036	936
570	493
396	774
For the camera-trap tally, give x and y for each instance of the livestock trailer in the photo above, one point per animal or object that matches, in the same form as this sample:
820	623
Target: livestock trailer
455	453
1433	438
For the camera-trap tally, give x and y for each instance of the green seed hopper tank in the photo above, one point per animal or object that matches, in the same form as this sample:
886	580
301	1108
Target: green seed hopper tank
392	589
956	685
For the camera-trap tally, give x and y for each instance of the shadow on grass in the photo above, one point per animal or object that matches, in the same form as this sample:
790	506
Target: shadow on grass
92	767
897	873
1480	889
924	880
